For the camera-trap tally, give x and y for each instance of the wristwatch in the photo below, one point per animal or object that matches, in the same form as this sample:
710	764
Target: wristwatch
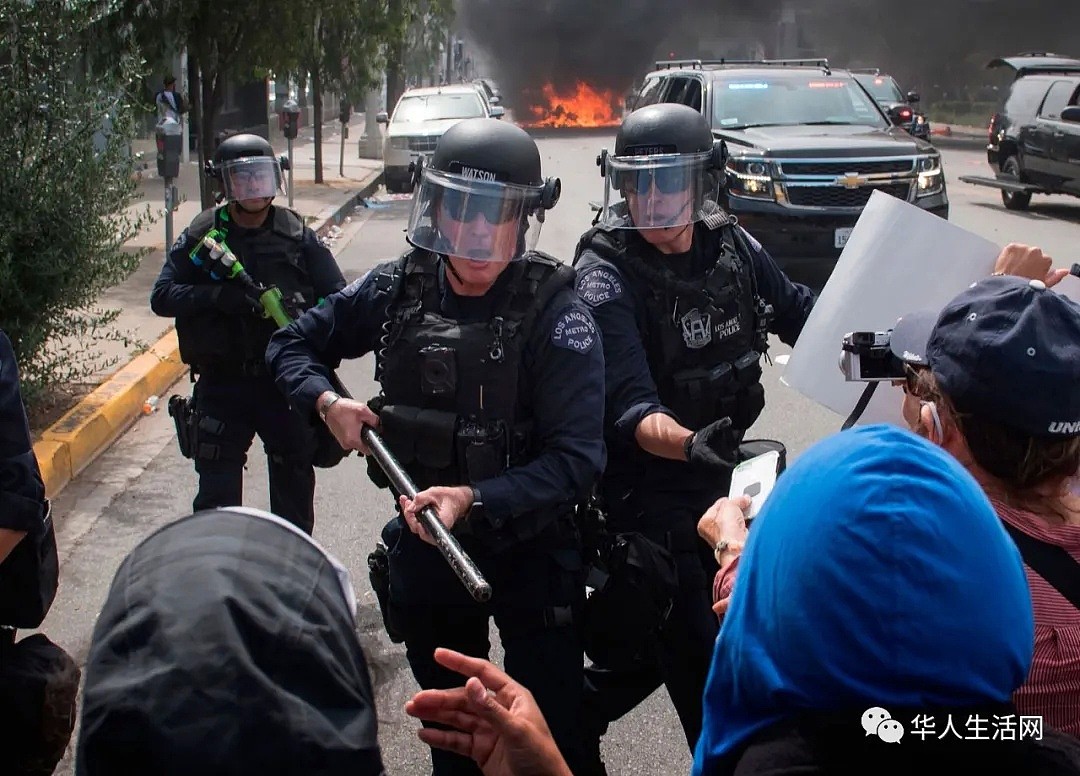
326	404
726	545
477	508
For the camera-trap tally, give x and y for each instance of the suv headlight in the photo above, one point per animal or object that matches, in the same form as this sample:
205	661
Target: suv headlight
749	177
400	142
931	176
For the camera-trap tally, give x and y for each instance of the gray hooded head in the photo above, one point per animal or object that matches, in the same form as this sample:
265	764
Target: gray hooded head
227	645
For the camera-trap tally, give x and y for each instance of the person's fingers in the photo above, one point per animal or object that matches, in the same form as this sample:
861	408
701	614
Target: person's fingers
451	741
1055	276
487	706
412	522
464	721
489	674
426	498
720	607
426	701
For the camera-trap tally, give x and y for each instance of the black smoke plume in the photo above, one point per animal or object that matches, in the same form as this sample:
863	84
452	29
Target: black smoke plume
940	47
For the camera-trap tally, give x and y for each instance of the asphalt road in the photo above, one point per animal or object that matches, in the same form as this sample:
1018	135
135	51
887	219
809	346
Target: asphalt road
142	483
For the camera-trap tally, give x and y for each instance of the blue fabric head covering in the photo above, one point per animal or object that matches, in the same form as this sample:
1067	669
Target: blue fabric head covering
877	574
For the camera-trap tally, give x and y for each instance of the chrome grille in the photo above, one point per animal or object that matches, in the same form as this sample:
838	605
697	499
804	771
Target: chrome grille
842	167
837	196
423	142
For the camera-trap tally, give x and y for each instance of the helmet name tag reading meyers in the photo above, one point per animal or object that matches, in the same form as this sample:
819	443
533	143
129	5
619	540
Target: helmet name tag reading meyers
665	170
482	197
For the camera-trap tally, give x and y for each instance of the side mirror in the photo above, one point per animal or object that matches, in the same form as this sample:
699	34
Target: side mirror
382	117
497	112
1072	113
912	97
901	114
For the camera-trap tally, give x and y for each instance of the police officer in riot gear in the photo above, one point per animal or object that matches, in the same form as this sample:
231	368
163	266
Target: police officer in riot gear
491	375
684	299
223	333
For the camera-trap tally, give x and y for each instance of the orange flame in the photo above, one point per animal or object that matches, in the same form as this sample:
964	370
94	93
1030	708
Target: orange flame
582	107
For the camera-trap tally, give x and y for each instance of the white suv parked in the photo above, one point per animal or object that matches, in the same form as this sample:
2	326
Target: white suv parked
419	119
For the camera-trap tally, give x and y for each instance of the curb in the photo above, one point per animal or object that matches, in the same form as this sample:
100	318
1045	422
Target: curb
71	444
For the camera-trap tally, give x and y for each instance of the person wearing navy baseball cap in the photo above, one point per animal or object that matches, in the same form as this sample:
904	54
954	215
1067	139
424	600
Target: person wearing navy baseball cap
994	378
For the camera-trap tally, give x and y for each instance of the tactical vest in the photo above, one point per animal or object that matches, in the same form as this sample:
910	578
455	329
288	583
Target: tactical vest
218	343
454	411
704	340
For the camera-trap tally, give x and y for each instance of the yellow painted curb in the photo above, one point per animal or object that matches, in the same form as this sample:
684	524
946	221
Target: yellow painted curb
70	444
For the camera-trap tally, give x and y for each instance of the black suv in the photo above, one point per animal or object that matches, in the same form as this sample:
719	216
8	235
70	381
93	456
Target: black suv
900	107
1034	140
808	147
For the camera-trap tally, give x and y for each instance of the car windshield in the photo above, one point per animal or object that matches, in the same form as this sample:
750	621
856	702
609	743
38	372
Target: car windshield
439	106
773	100
881	88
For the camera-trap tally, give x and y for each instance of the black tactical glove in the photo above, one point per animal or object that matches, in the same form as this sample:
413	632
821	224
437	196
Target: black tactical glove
714	447
235	299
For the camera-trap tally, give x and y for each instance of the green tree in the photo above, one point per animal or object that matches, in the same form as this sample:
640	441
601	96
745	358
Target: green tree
66	187
416	27
342	52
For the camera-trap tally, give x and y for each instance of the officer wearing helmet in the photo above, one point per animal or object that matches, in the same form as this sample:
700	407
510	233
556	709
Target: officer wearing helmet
491	375
223	332
685	300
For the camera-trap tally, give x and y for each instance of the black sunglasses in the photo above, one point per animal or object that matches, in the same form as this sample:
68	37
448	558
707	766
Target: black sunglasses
668	180
464	206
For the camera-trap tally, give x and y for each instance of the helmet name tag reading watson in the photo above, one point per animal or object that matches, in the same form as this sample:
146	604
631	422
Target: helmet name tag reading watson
482	195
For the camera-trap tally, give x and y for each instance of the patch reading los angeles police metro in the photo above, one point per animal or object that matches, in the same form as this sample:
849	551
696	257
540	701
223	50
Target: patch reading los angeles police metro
599	285
574	330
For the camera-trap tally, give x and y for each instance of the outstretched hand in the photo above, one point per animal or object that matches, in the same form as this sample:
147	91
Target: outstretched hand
497	721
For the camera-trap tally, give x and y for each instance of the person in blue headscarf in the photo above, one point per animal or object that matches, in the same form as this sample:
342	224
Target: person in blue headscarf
877	576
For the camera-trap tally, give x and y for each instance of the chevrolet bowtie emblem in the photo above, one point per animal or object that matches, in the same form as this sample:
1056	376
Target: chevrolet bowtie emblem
851	181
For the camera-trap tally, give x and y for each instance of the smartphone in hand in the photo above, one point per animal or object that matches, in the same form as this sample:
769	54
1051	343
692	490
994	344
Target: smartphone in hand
755	478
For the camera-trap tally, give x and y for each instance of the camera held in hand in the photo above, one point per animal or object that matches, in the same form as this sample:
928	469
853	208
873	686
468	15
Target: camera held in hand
868	357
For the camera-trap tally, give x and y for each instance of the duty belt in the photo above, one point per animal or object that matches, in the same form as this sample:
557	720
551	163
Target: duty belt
231	369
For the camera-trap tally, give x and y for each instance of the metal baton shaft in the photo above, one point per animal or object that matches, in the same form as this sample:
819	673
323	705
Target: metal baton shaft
461	563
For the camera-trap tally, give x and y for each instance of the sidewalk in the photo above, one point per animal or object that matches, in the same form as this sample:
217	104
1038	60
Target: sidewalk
69	445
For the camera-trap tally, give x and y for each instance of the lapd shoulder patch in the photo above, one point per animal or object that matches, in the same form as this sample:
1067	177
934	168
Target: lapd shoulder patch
599	285
574	330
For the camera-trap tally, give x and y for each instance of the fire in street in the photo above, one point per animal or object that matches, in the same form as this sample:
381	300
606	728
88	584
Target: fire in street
582	107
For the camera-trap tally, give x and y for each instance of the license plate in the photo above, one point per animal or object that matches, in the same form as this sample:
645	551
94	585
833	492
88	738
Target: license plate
842	236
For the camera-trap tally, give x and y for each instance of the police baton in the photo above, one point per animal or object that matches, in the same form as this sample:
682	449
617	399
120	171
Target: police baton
459	561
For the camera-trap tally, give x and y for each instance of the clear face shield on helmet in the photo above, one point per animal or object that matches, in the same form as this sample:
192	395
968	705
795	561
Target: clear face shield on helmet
658	192
254	177
474	218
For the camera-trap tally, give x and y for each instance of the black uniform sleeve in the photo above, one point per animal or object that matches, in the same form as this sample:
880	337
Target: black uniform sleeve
21	487
180	289
347	325
326	277
565	363
792	302
631	393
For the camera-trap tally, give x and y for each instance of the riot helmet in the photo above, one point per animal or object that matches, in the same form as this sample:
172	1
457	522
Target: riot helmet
483	176
665	170
248	168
